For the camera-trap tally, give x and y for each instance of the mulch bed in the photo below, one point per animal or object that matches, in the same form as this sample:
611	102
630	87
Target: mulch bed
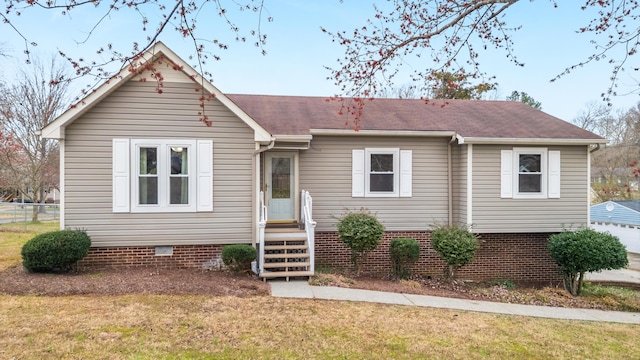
17	281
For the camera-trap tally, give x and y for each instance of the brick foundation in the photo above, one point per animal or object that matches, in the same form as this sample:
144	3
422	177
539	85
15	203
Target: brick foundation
184	256
515	257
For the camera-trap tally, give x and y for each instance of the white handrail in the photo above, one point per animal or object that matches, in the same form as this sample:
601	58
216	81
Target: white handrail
309	226
262	224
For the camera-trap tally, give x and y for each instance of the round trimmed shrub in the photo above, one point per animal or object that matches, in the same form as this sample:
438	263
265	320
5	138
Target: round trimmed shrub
403	252
238	257
55	251
361	232
456	245
585	250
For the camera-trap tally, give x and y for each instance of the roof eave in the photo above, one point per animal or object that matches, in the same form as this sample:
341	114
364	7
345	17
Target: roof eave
527	141
352	132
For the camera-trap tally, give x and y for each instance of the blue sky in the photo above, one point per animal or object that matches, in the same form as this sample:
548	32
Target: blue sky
297	50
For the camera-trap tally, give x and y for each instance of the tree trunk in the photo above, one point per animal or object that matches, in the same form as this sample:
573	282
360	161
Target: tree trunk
571	283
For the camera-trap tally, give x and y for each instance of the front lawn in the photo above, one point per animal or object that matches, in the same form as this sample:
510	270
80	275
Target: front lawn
143	326
205	327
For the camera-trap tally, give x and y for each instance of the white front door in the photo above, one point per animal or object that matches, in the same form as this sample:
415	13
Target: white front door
280	186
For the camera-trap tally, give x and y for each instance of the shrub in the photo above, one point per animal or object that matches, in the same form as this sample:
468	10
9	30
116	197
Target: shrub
55	250
585	250
239	257
360	232
456	245
403	251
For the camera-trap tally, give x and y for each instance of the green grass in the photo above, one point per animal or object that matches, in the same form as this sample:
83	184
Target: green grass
14	235
625	299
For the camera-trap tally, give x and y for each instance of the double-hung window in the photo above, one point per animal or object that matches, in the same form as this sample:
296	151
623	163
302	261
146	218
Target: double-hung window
530	173
381	172
162	175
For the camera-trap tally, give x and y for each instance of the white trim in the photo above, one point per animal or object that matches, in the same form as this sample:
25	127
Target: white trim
527	141
61	147
293	182
396	172
469	185
588	184
163	172
351	132
544	172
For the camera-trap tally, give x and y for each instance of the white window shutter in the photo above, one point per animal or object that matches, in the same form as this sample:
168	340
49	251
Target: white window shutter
357	173
506	174
406	173
121	186
205	175
554	175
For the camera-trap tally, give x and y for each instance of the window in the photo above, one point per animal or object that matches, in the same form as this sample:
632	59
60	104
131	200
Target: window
162	175
530	173
381	172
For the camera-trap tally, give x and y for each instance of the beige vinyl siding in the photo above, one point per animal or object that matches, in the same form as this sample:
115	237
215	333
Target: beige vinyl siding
136	110
493	214
459	183
325	171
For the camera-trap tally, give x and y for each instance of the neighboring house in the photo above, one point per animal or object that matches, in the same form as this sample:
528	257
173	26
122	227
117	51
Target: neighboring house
154	186
620	218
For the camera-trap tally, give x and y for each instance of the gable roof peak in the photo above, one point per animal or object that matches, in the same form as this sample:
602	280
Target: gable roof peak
144	62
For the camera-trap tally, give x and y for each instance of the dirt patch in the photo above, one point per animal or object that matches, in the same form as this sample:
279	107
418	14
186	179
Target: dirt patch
17	281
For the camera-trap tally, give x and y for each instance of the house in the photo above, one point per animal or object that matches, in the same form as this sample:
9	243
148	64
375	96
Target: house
620	218
153	185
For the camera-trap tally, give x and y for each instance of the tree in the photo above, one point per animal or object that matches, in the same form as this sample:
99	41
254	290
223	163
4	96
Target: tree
442	35
155	18
457	86
447	36
29	162
614	168
525	98
585	250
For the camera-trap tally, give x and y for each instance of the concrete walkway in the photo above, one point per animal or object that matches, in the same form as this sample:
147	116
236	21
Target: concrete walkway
302	289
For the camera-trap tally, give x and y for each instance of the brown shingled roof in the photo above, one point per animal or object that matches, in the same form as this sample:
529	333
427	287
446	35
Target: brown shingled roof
296	115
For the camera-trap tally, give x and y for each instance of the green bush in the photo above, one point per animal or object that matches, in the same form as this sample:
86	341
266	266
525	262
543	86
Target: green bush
55	250
361	232
239	257
585	250
403	252
456	245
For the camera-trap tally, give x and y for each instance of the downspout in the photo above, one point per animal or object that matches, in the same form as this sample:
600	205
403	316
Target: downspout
450	181
269	147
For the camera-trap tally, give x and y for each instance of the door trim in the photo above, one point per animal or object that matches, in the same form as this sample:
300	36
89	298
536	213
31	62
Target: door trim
295	183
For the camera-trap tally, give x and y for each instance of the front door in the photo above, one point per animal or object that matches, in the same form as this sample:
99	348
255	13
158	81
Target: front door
280	186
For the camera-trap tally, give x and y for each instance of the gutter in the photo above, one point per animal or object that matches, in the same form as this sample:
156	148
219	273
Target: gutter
351	132
529	141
